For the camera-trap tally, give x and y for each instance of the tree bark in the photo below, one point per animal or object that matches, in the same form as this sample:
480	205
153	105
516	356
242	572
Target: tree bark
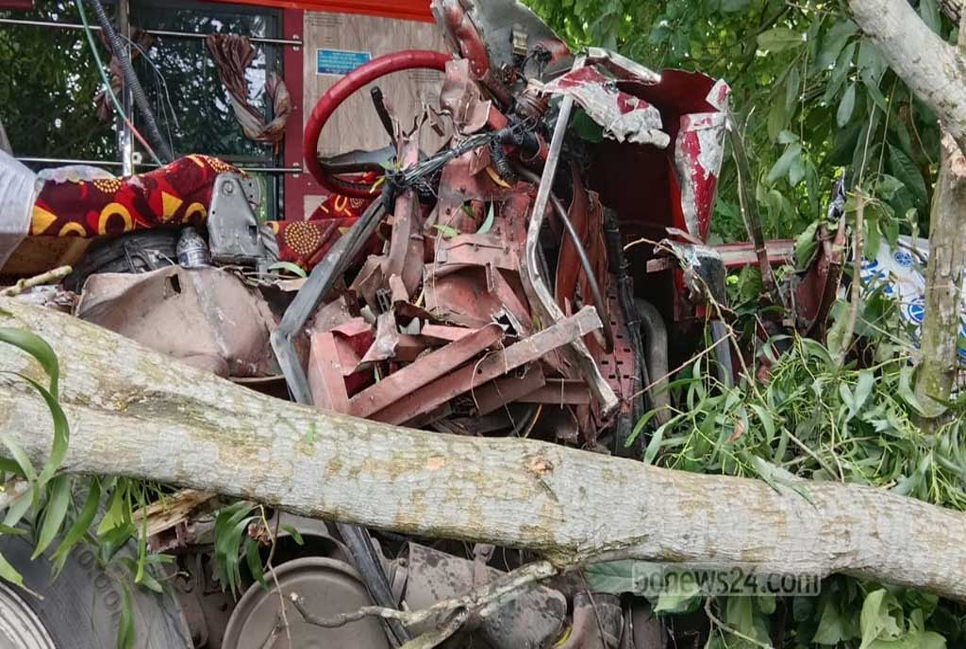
136	413
944	276
930	66
936	72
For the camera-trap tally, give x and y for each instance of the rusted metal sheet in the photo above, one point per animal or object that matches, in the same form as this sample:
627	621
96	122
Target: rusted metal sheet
559	392
817	291
325	374
507	389
443	332
206	317
405	244
434	394
423	371
474	250
541	302
738	255
464	297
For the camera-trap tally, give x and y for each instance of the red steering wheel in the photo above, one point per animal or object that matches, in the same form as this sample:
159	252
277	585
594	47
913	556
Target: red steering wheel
327	174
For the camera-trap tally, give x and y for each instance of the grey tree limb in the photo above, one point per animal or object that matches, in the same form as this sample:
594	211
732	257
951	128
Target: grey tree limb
931	67
136	413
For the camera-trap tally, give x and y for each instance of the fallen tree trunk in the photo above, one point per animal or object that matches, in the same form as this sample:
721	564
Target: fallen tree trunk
134	412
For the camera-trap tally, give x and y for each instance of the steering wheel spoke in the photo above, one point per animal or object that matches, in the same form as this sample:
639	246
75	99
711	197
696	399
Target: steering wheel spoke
327	170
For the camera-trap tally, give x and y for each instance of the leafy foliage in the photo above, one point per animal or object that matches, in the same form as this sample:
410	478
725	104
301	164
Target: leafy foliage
812	96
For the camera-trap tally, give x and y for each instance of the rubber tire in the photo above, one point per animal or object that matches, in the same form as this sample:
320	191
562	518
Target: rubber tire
81	609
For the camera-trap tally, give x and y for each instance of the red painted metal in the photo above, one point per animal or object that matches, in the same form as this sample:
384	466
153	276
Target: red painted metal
292	62
325	374
507	389
416	10
346	86
738	255
423	371
559	392
432	395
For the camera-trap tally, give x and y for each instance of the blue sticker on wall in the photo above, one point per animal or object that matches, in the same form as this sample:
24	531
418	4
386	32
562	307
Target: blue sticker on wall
339	62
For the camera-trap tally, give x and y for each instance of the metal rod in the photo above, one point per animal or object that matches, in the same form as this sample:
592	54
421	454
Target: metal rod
154	32
125	137
115	163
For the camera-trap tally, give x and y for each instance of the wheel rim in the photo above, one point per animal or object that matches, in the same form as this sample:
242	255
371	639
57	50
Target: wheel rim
19	626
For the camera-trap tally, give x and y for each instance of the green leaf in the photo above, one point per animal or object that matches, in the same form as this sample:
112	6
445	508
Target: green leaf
863	389
655	444
9	573
115	539
805	245
872	87
732	6
784	163
870	62
680	601
487	222
839	73
766	603
779	39
905	170
834	625
875	621
58	449
766	421
795	174
777	117
294	533
793	90
36	347
125	627
905	390
288	267
230	525
834	41
79	528
787	137
447	231
19	507
929	12
54	512
20	457
114	514
254	560
846	106
612	577
586	128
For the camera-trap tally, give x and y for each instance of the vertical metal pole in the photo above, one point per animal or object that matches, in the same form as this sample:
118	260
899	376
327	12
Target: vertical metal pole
125	139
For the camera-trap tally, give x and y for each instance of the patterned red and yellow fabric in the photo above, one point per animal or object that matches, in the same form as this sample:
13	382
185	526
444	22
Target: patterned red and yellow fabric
175	194
179	194
307	242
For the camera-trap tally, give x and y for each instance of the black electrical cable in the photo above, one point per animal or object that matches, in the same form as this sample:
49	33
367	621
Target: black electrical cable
131	80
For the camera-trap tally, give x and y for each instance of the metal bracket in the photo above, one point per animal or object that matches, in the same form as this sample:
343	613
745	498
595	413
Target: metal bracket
233	235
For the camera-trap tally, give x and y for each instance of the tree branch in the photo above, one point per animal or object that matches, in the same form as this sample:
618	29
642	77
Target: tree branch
136	413
932	68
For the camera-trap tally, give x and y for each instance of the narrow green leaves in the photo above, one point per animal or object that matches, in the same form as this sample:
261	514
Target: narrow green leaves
846	106
779	39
